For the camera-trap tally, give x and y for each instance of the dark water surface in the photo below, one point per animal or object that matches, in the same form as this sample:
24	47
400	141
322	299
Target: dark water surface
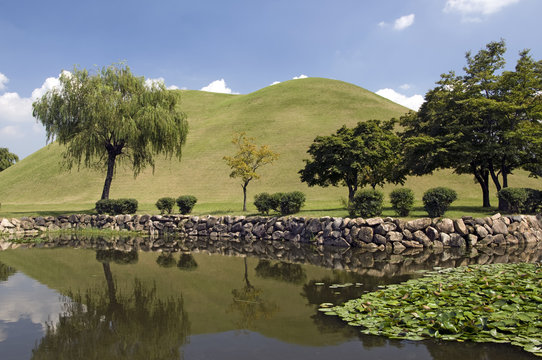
211	300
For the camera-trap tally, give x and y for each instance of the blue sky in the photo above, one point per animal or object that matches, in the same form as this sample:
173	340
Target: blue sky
397	48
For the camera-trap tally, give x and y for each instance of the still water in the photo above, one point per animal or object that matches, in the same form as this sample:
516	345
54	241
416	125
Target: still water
109	299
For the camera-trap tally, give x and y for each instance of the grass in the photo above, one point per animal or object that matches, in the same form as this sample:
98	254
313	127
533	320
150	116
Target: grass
287	117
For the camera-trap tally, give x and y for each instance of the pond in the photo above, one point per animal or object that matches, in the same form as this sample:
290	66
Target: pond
114	298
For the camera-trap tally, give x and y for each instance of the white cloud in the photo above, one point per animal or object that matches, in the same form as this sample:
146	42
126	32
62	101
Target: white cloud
49	84
149	83
3	81
14	108
471	8
302	76
382	24
218	86
11	131
275	82
413	102
403	22
404	86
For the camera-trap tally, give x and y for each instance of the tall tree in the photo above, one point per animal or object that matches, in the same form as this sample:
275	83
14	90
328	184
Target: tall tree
368	154
248	159
109	116
467	121
7	159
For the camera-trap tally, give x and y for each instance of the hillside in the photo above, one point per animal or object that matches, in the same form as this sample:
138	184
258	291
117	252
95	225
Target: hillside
287	117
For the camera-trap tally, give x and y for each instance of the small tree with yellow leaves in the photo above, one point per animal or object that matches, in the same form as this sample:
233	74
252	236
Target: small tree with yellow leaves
248	159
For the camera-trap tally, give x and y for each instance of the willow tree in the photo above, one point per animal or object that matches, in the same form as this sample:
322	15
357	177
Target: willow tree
112	116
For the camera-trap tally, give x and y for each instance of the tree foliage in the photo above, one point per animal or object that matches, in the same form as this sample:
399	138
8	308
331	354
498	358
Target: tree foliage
368	154
248	159
109	116
7	158
471	123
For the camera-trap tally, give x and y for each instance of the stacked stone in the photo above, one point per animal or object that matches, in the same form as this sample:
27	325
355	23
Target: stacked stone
374	233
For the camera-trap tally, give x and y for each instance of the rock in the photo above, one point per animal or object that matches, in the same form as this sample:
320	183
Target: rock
6	223
374	221
481	231
418	224
398	247
446	225
379	239
412	244
384	228
394	236
432	233
472	239
423	239
457	240
366	234
499	227
445	239
460	227
407	234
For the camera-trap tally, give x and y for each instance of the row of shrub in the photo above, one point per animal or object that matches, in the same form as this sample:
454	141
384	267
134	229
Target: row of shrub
116	206
369	202
185	203
521	200
283	203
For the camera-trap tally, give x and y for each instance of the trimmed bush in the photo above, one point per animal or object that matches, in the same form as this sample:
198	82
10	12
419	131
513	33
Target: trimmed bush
104	206
264	203
116	206
291	203
186	203
402	201
165	204
521	200
437	200
534	201
366	203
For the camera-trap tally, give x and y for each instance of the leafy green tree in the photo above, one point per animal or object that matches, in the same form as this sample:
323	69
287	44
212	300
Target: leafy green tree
109	116
248	159
368	154
469	122
7	159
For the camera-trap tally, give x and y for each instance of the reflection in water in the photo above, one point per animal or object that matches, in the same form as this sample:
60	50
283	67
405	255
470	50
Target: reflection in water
270	293
166	260
110	324
283	271
250	303
6	271
187	262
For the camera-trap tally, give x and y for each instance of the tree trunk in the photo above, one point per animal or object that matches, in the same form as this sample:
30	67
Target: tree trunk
482	176
112	156
351	192
110	283
245	196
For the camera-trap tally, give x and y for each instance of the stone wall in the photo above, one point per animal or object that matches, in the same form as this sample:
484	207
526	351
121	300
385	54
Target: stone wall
374	233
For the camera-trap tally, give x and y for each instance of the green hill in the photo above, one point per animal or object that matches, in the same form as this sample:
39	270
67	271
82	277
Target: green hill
287	117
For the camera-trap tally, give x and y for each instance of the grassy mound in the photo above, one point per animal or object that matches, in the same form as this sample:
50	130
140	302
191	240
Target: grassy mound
287	117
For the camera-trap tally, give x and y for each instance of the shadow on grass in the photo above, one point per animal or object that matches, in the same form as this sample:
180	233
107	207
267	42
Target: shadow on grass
55	213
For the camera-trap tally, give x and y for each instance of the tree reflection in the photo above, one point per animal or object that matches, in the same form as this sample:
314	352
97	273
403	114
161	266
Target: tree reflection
6	271
282	271
249	303
187	262
104	323
166	260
